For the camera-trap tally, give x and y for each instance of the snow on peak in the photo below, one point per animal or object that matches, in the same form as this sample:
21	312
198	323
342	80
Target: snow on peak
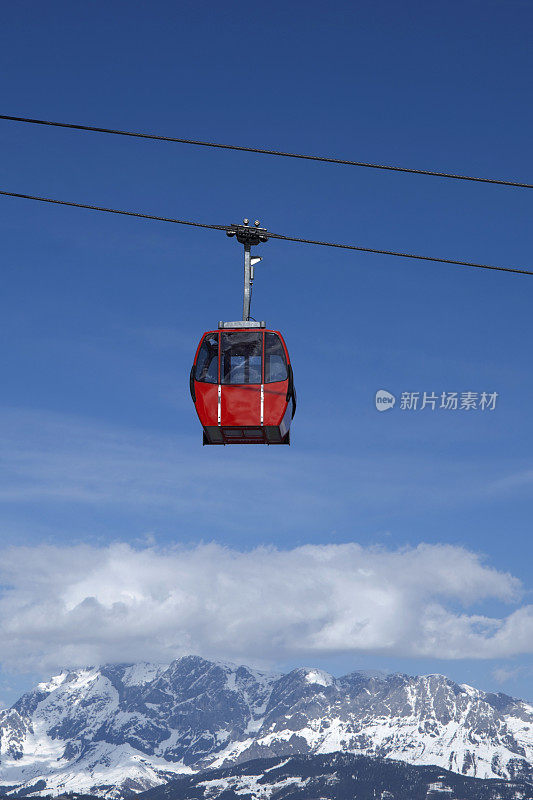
317	676
53	683
140	674
469	689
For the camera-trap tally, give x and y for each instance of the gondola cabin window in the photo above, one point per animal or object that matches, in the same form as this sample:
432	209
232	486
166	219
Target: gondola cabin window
275	359
207	362
241	357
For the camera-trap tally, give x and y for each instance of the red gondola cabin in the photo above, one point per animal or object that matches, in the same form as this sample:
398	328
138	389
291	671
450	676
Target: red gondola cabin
242	385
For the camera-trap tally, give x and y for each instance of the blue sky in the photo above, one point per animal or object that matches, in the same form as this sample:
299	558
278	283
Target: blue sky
101	315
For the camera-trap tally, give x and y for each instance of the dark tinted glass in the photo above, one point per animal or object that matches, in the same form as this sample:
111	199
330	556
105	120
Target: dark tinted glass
275	361
241	357
207	361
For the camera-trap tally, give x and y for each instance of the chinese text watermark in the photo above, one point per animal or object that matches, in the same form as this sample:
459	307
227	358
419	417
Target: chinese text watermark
437	401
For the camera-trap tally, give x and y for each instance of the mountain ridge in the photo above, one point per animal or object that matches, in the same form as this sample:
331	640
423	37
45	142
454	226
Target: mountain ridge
128	727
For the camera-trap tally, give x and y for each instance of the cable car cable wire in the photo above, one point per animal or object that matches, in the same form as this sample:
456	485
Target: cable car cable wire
396	253
241	148
270	235
115	211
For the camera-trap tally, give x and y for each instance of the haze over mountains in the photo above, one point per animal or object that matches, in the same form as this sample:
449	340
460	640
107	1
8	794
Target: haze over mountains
119	728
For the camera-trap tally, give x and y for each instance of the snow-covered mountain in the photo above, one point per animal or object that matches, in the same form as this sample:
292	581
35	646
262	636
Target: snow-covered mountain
112	729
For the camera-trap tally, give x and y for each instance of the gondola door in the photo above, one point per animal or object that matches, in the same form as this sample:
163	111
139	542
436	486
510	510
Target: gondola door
241	367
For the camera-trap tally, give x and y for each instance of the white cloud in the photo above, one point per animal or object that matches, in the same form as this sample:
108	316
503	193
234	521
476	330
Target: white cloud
509	674
63	606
